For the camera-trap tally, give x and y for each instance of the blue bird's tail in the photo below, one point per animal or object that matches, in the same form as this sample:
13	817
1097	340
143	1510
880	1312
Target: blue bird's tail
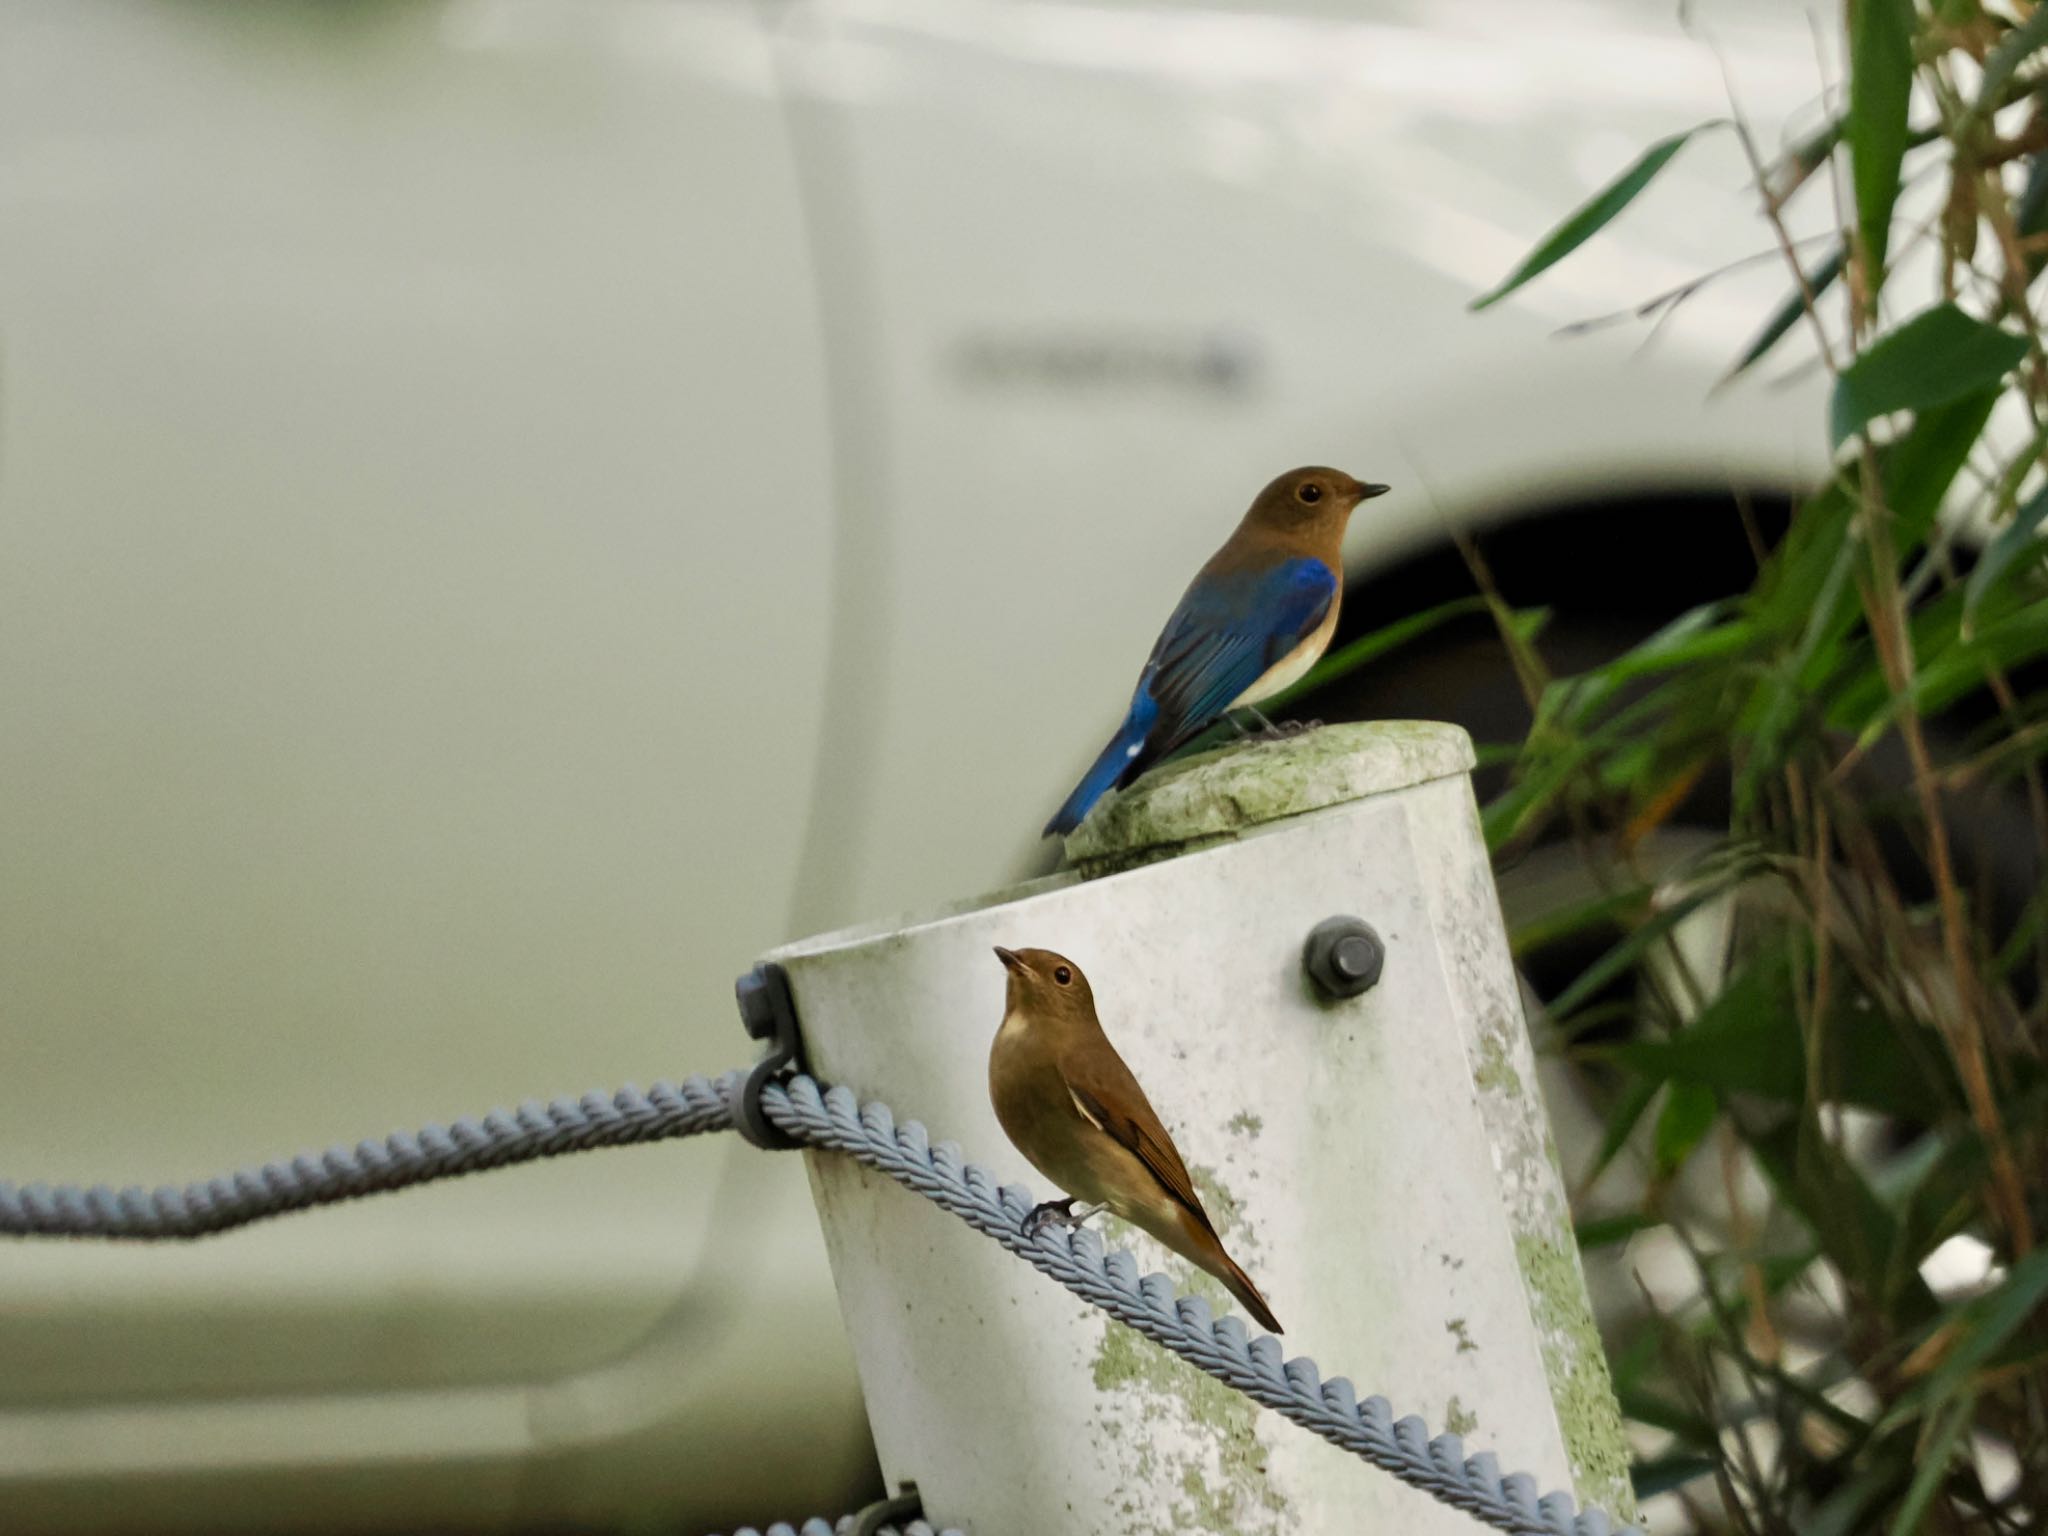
1120	761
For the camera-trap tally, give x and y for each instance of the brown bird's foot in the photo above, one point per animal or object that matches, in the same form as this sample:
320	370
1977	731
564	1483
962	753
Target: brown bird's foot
1297	727
1056	1213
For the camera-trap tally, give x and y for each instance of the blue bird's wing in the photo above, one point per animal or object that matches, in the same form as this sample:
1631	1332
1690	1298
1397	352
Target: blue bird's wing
1226	634
1228	631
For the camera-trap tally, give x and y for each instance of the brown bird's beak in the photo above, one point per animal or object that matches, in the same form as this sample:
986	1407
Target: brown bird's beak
1012	961
1367	492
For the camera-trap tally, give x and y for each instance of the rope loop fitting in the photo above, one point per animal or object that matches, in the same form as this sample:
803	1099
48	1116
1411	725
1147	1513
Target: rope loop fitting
769	1013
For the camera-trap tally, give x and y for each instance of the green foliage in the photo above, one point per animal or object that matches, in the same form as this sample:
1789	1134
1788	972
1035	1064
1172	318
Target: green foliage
1880	91
1936	358
1818	1047
1815	282
2022	536
1591	219
2020	44
1370	648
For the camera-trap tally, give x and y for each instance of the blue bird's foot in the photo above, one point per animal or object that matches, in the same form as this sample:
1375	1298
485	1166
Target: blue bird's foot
1268	731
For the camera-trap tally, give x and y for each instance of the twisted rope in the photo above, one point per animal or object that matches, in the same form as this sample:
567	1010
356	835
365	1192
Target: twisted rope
836	1120
844	1525
500	1139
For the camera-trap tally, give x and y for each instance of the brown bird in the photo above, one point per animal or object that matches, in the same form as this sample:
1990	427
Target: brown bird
1070	1104
1253	620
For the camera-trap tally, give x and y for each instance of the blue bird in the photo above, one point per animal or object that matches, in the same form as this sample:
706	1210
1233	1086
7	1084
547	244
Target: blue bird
1252	622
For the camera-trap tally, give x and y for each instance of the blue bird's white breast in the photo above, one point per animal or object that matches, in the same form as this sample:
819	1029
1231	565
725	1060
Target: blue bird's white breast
1291	668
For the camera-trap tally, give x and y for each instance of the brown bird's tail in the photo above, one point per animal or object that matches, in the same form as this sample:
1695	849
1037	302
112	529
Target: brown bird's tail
1241	1287
1187	1231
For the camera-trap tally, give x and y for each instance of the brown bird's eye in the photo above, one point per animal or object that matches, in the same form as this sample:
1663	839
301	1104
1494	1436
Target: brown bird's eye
1062	975
1310	493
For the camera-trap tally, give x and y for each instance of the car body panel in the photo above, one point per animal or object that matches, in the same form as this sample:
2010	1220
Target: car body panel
415	444
511	508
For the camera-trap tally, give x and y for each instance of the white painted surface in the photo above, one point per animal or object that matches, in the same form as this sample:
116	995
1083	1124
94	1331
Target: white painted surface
1368	1189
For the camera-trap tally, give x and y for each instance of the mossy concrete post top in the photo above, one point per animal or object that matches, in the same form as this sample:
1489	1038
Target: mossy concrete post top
1379	1162
1238	788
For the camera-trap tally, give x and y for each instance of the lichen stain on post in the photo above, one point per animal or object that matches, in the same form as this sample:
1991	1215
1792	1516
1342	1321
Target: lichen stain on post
1212	796
1221	1472
1224	1211
1221	1468
1496	1071
1579	1382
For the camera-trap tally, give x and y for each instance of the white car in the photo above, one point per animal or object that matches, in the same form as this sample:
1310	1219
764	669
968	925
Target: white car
511	508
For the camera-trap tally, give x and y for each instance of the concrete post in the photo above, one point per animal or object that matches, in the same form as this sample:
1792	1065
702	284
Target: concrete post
1380	1165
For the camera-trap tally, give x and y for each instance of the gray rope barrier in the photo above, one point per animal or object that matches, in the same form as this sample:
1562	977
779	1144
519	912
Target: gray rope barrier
834	1119
500	1139
844	1526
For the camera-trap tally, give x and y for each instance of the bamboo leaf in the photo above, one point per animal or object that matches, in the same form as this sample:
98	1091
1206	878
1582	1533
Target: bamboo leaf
1981	1327
2031	212
1818	281
2002	645
1919	468
1651	1478
1370	647
1784	690
1948	667
1783	600
1915	473
1854	1229
1657	1411
1880	90
1624	956
2029	36
1932	1461
1532	793
2023	532
1744	1041
1939	357
1592	217
1605	910
1688	1114
1622	1120
1698	634
1747	1040
1843	1514
1605	1231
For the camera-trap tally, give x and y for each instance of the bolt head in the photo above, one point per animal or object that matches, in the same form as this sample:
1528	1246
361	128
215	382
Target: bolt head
1343	957
1354	957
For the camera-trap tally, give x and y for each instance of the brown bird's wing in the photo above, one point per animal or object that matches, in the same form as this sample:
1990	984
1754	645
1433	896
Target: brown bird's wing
1098	1080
